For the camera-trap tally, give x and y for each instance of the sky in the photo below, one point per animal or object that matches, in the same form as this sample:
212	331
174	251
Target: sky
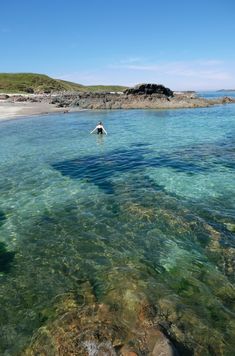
184	45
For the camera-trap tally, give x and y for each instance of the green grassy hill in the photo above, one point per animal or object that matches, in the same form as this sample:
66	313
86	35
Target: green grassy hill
40	83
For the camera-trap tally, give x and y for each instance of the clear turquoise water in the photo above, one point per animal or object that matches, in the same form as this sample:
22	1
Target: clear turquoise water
148	210
216	94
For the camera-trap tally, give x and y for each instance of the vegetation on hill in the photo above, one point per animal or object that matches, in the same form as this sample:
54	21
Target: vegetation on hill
40	83
102	88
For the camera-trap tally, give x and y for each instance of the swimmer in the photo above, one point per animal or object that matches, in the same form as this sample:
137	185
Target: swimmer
99	129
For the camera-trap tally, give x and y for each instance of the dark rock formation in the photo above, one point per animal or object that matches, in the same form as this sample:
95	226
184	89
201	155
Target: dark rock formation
108	101
142	96
227	100
6	258
149	89
4	97
19	99
29	90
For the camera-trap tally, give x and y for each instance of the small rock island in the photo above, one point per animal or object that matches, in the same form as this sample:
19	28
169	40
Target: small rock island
142	96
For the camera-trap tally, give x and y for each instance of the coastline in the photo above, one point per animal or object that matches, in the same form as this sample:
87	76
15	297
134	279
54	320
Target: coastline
14	106
11	110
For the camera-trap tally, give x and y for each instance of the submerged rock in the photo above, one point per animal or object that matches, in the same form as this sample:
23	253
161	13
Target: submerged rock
230	227
6	258
163	346
223	255
95	329
2	217
149	293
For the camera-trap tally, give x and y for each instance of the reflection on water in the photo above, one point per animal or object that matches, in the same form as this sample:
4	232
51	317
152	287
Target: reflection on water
114	246
100	140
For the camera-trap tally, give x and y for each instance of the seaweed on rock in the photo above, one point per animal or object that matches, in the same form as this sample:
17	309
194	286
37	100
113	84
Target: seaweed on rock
93	328
2	217
6	258
127	265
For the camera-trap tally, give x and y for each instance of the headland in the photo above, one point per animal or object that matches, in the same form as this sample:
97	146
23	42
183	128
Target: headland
142	96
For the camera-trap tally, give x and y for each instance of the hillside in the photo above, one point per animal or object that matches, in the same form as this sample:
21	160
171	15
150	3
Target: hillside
40	83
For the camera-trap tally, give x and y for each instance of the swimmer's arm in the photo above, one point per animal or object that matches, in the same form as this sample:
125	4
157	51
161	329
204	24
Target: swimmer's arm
93	130
105	131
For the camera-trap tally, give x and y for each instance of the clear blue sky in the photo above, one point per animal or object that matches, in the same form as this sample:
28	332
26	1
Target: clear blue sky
181	44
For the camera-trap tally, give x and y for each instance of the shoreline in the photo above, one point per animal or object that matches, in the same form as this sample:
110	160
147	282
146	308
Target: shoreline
16	106
12	111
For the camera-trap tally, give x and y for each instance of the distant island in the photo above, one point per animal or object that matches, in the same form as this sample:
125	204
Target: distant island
225	90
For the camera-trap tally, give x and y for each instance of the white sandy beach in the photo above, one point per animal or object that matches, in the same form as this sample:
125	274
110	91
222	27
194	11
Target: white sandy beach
11	110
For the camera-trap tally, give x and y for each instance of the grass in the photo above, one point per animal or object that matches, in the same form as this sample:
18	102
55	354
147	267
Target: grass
40	83
100	88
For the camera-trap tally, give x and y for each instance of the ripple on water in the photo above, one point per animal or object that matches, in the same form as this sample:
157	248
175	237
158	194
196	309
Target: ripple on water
135	227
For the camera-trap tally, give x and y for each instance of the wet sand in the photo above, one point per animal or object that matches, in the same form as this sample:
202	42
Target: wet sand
12	110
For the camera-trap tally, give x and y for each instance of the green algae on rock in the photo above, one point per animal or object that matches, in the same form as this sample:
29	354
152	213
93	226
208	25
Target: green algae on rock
94	328
6	258
121	244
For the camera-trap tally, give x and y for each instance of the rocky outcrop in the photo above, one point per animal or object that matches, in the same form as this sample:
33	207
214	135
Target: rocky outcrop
227	100
142	96
149	89
108	101
4	96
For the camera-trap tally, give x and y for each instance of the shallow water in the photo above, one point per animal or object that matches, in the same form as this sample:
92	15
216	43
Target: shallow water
147	212
216	94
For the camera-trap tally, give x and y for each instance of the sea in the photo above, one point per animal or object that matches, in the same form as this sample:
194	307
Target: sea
141	218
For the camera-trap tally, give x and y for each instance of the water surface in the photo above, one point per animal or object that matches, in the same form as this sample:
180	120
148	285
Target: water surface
145	213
